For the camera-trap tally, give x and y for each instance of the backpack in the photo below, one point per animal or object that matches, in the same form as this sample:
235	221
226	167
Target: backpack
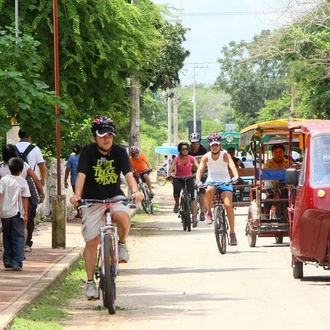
35	197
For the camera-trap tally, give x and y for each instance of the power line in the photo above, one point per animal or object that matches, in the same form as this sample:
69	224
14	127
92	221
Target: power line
232	13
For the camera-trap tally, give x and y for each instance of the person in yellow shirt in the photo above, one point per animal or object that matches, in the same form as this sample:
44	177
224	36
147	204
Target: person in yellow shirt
140	163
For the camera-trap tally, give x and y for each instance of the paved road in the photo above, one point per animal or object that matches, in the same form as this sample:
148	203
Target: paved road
179	280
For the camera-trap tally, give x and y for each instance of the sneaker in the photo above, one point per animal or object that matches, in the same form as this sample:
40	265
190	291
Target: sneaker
8	265
208	218
17	268
194	222
202	216
176	208
91	291
27	248
123	252
233	239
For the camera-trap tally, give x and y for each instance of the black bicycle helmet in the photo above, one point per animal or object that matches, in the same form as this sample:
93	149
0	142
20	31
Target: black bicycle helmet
214	137
103	125
195	137
181	144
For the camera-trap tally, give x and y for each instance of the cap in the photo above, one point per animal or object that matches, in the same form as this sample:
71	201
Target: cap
104	131
215	142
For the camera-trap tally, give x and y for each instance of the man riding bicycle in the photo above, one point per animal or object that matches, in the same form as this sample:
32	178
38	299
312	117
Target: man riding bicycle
140	164
218	162
197	150
99	168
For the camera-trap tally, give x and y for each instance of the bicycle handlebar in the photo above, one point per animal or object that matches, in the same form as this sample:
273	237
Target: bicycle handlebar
218	184
86	202
181	177
147	171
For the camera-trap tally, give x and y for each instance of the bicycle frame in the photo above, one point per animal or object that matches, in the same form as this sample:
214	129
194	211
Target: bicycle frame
147	203
107	266
185	200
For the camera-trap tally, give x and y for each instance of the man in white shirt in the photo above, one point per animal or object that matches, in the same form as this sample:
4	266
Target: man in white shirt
37	163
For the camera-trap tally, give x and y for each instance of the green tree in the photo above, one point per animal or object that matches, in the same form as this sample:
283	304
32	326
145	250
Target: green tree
102	43
304	46
24	97
251	82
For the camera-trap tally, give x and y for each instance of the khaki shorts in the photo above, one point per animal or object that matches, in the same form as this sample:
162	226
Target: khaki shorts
93	219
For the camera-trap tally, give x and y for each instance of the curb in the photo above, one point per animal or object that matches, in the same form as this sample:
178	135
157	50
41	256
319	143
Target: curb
51	278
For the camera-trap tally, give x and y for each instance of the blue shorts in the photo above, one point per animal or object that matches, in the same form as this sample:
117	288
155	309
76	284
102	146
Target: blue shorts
221	188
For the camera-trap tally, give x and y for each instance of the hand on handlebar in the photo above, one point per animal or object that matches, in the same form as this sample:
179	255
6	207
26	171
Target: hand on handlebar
138	196
234	179
199	184
74	200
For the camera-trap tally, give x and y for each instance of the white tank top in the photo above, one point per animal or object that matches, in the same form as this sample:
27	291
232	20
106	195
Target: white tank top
217	169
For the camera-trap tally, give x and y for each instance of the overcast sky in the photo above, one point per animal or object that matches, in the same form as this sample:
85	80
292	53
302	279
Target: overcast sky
214	23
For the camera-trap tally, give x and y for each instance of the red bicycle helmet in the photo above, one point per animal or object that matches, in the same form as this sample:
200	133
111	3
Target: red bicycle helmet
214	137
134	151
102	126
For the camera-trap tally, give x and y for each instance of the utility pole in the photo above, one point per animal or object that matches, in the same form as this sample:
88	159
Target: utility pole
194	96
175	117
169	114
134	138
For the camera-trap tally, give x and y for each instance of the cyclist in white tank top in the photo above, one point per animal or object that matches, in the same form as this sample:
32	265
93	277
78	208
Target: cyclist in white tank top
218	162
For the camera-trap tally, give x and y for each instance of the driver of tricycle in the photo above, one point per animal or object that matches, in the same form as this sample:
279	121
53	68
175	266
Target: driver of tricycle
278	161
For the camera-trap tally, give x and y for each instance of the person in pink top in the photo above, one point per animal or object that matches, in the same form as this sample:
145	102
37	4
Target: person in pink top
182	166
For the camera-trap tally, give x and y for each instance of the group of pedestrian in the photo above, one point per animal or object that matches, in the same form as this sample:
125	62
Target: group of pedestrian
17	207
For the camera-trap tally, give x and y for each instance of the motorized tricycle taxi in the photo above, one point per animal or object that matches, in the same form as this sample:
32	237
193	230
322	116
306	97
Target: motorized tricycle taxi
309	196
267	216
295	201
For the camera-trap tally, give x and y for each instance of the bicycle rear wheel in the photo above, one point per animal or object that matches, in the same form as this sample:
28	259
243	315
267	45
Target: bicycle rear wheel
220	229
109	280
161	179
147	201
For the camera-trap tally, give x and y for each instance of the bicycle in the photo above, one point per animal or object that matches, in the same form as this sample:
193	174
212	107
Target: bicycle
161	176
147	203
107	265
185	200
220	220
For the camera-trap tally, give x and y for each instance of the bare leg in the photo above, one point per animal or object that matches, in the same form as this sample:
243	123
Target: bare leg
227	198
123	224
90	256
209	195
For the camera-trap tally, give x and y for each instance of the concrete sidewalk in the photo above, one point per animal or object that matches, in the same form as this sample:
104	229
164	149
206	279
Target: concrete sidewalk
42	268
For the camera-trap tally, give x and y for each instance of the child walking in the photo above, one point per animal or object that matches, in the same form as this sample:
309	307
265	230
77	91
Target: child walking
14	194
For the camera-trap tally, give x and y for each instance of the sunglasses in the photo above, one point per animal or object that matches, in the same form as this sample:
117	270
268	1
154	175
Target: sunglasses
215	145
182	149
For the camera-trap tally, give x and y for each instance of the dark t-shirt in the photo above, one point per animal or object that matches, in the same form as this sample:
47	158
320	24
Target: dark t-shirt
103	171
200	152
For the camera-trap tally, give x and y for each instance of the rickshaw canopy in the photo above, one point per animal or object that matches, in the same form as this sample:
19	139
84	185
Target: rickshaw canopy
264	131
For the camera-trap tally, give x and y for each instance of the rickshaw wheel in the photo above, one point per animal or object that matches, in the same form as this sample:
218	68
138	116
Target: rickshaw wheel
279	240
252	239
298	271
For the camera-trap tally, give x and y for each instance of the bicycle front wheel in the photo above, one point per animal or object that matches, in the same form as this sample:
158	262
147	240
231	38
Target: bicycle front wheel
186	217
109	281
220	229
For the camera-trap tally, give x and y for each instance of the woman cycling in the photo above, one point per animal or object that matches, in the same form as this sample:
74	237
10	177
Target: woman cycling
183	164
